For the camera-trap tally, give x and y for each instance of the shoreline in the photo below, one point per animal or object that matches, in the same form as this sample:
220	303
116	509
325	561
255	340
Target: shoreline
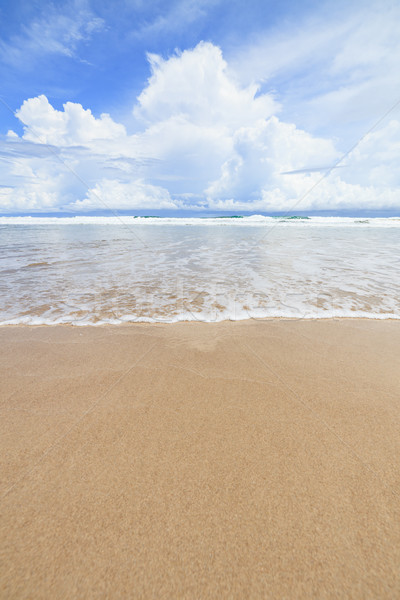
199	322
253	458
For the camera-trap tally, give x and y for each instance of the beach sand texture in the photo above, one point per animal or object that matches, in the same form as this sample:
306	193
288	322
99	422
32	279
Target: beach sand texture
255	459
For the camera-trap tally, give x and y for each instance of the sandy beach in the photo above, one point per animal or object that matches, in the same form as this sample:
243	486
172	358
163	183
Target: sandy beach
254	459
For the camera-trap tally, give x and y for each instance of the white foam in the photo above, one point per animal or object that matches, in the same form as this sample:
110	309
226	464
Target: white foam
201	318
98	275
253	220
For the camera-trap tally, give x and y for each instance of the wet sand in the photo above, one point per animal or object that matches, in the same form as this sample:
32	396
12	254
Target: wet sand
255	459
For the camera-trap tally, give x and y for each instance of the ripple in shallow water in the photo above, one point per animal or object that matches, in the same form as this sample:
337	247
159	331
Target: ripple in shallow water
95	274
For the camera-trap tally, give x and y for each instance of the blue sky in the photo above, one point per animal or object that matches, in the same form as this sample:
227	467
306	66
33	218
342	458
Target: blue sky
198	105
102	62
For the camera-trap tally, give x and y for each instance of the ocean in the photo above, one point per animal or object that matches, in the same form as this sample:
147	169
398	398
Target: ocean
99	270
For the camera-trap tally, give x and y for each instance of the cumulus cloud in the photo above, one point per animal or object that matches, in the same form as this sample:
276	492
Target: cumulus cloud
115	194
195	85
72	126
203	140
262	154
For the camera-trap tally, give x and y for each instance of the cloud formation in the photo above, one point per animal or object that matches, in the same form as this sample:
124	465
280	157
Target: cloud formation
336	67
51	33
202	140
196	86
72	126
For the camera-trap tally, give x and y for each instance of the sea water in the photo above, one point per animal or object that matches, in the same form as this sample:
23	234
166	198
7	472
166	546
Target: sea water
98	270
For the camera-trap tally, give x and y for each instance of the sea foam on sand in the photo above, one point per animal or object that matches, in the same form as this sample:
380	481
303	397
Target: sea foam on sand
99	270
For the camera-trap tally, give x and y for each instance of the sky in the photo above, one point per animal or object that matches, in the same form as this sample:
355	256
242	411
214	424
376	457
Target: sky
199	107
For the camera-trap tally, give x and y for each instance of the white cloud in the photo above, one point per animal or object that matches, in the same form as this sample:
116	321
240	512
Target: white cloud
191	109
173	16
203	140
262	154
71	127
54	32
376	159
113	194
196	86
336	71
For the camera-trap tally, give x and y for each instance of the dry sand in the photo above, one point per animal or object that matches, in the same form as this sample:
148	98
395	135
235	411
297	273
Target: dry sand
235	460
